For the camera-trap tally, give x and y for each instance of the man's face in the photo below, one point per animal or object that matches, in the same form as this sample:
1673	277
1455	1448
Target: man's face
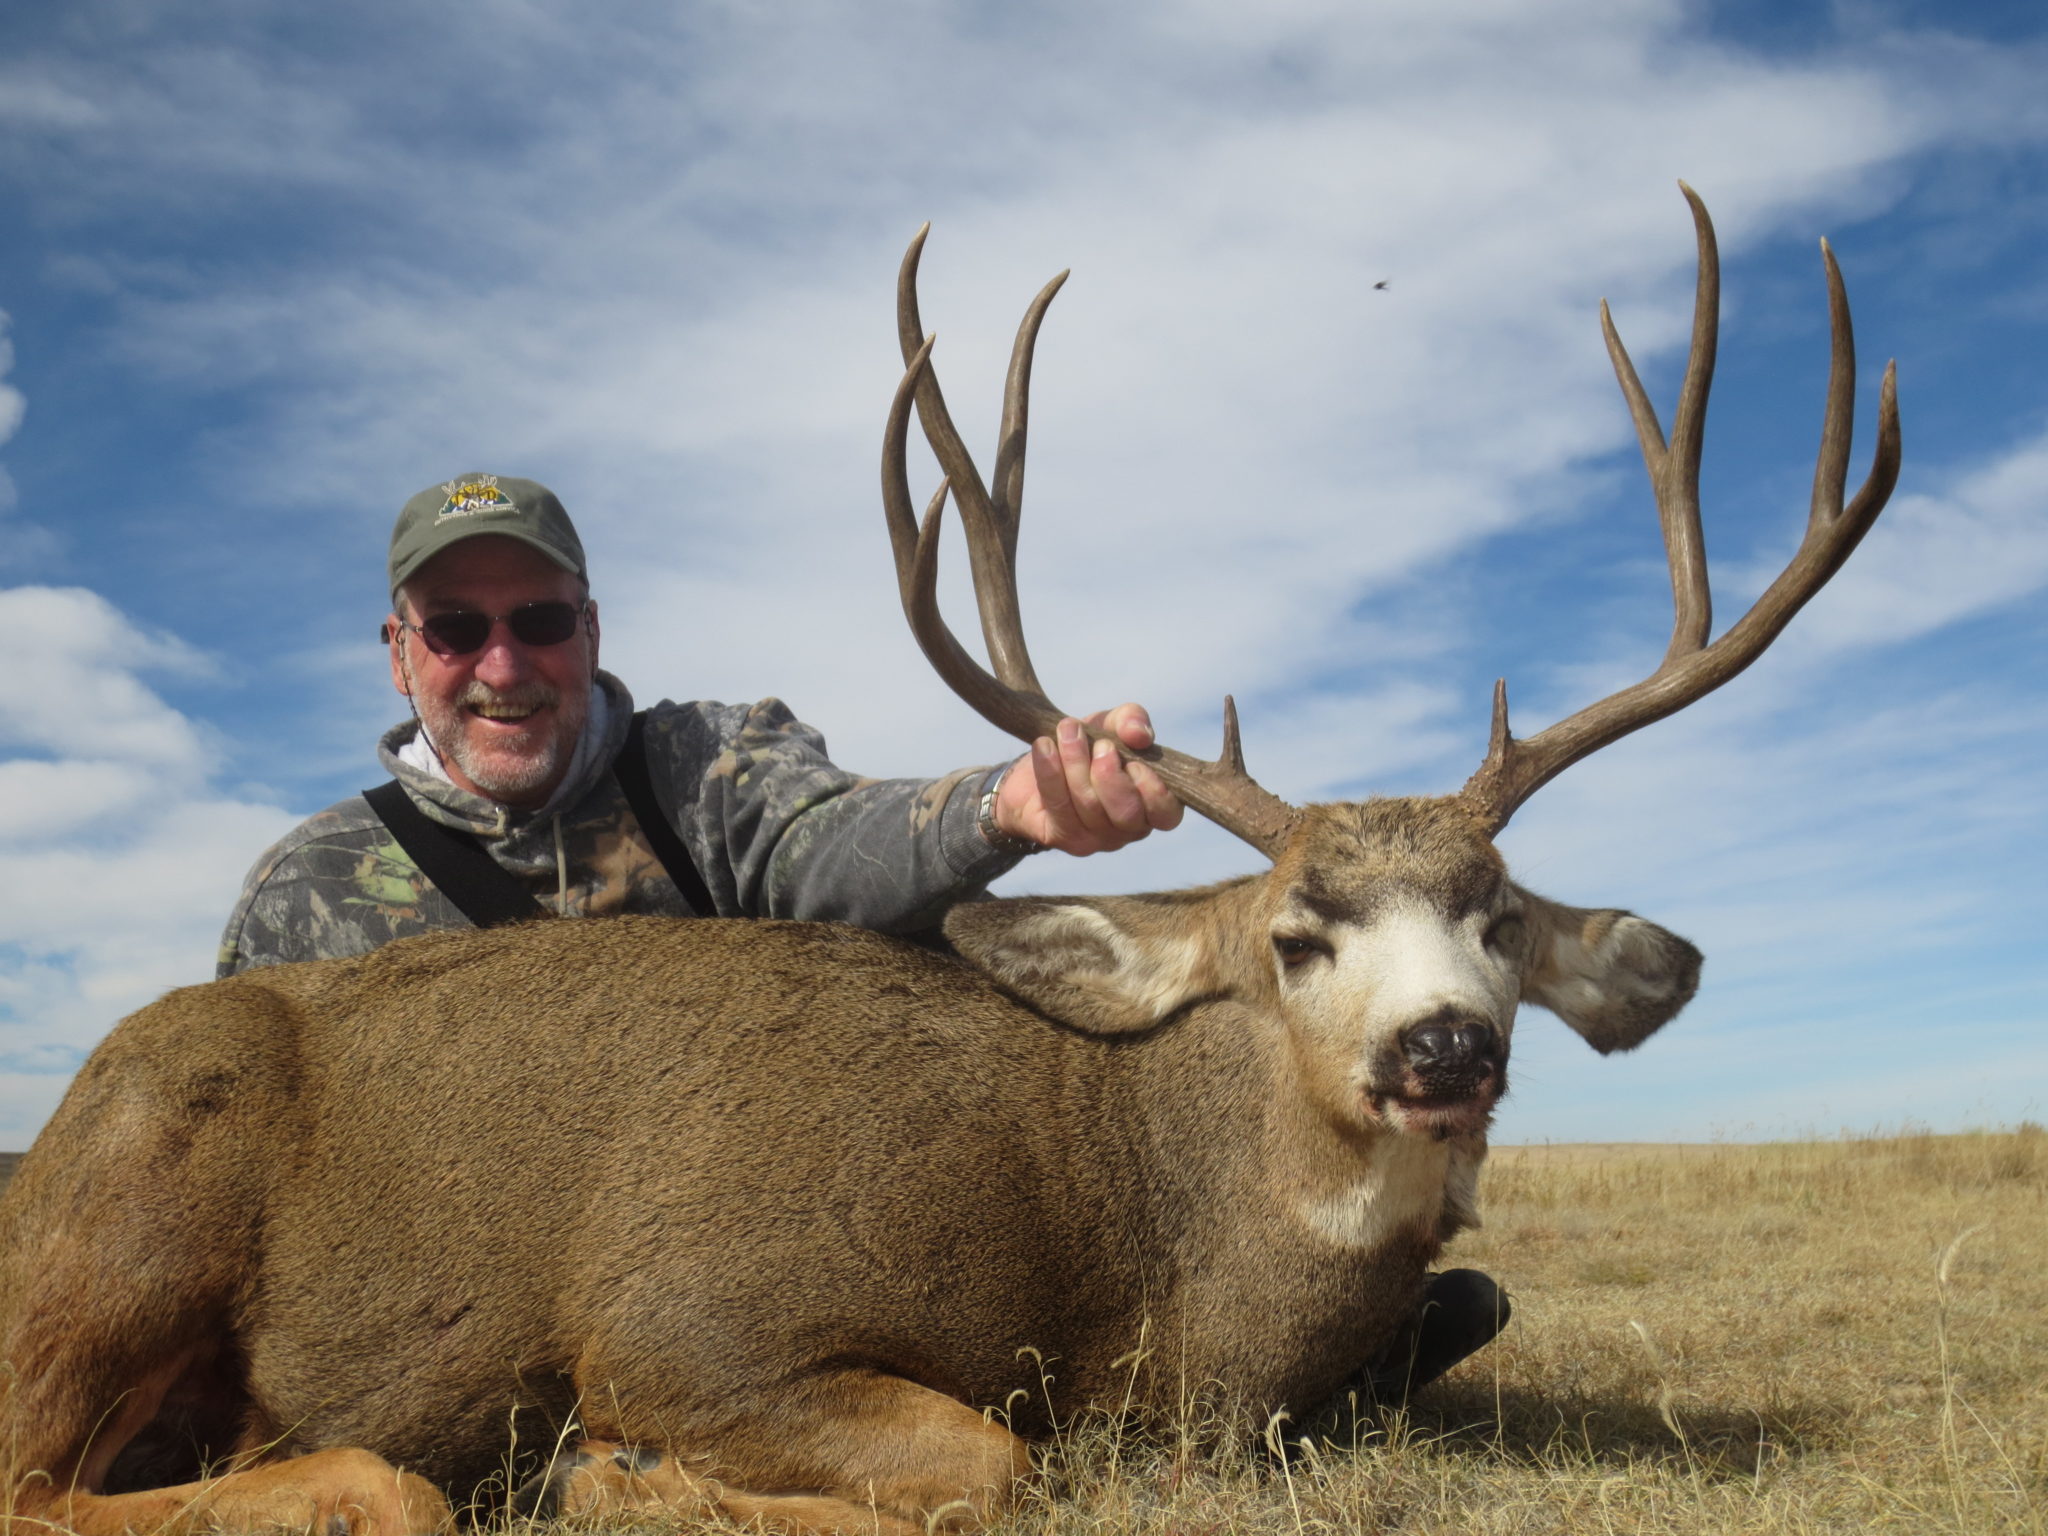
506	717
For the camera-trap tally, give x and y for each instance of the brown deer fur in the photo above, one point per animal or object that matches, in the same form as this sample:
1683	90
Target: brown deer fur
783	1200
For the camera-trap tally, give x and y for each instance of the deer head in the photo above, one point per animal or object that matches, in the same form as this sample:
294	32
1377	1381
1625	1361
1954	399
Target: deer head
1387	939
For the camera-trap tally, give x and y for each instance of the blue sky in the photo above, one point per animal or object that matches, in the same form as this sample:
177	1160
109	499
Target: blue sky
269	270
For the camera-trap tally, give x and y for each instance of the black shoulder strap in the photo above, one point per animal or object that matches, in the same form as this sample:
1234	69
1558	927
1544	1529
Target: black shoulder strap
630	769
481	888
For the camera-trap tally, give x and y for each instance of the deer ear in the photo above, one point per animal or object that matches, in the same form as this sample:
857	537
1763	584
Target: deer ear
1096	963
1610	975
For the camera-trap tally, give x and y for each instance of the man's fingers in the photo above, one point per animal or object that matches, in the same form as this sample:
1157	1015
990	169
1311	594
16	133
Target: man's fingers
1049	778
1163	809
1128	723
1048	814
1117	793
1077	762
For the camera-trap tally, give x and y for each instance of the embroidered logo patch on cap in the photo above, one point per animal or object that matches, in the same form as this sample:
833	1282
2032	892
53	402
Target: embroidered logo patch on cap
467	498
475	503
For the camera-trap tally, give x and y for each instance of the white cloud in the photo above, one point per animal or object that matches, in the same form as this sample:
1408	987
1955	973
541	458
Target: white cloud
122	857
11	403
30	102
16	540
44	801
131	912
1981	543
73	686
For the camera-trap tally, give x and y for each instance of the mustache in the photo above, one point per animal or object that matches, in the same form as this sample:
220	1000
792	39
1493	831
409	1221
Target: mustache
526	696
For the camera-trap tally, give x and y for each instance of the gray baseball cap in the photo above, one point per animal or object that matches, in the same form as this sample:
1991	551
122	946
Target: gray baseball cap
468	505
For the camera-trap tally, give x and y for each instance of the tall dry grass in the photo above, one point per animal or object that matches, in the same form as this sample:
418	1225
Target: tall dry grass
1805	1337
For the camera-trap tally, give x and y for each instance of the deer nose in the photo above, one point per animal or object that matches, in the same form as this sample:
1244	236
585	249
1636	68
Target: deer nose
1443	1044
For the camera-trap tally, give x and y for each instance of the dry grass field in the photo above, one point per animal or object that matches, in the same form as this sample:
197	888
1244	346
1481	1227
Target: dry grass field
1802	1337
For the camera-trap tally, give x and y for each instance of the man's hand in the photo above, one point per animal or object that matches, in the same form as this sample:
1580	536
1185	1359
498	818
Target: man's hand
1082	797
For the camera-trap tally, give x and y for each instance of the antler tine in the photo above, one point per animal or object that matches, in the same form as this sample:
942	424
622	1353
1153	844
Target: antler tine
1514	770
1024	713
990	525
908	534
1012	699
1008	502
1674	469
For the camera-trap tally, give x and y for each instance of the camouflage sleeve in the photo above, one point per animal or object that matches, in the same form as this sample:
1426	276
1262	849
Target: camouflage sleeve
779	830
338	885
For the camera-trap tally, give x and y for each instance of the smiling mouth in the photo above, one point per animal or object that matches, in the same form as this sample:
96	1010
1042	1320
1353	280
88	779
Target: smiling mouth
508	708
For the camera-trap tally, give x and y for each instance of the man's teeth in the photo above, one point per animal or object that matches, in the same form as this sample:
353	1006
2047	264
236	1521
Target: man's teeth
502	712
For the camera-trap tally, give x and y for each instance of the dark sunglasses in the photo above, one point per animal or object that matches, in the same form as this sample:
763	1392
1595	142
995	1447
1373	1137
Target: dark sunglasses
462	631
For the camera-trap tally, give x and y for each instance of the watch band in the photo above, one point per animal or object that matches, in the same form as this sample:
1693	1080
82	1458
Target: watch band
997	839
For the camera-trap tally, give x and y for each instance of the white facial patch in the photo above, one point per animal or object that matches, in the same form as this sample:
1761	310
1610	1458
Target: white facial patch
1402	1187
1409	963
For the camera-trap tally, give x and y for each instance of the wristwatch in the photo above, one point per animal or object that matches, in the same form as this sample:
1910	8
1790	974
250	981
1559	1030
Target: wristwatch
997	839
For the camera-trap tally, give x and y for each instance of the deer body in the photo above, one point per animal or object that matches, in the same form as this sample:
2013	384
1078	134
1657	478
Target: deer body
665	1176
759	1178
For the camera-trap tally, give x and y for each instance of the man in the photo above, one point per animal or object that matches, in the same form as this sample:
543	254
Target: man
515	782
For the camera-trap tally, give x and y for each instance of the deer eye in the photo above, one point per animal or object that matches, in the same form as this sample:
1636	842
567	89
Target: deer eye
1295	951
1506	933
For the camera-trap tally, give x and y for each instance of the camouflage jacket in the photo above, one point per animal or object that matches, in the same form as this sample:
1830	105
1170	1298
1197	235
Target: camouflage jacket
775	828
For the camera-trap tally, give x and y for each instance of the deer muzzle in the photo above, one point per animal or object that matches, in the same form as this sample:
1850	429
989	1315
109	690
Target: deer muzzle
1452	1070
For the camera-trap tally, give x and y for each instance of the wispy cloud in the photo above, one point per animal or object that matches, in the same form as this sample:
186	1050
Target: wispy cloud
75	688
1981	543
122	853
17	541
647	254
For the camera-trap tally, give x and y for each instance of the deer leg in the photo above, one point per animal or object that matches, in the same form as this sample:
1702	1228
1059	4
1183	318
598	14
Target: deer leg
107	1312
85	1379
858	1451
334	1493
127	1241
598	1479
602	1477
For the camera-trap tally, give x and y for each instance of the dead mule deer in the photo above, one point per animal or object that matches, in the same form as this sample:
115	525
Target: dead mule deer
761	1214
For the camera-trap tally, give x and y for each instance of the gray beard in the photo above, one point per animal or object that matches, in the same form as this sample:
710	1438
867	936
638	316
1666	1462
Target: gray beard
499	775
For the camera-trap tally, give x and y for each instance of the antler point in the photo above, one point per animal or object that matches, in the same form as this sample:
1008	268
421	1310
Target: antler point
1233	744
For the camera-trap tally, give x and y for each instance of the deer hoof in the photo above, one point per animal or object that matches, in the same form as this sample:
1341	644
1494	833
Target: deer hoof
598	1477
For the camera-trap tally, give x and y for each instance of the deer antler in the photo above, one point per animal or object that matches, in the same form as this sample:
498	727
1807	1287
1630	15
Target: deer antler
1012	699
1515	770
